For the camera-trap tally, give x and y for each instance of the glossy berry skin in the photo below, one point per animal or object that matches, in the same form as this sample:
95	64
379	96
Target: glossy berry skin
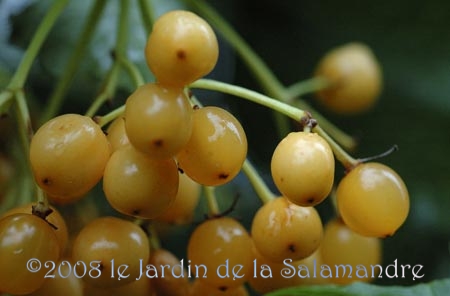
158	120
182	210
23	237
175	281
181	48
139	186
55	218
68	155
302	168
64	281
217	148
282	275
283	230
106	241
373	200
342	246
355	79
213	243
116	134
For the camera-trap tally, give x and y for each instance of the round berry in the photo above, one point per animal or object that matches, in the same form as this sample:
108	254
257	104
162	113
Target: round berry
303	168
354	76
216	149
68	155
283	230
22	238
216	243
107	243
54	218
137	185
181	48
158	120
373	200
343	247
116	134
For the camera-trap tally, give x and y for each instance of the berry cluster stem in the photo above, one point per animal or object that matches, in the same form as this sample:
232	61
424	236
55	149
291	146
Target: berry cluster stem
261	188
266	78
56	98
211	200
256	97
110	83
148	14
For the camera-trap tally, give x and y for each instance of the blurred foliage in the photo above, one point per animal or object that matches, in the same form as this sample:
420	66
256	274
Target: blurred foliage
291	36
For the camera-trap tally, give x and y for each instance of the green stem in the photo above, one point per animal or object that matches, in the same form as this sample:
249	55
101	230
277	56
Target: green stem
132	70
345	140
24	121
66	79
21	74
305	87
6	98
269	82
108	91
120	50
26	133
105	119
250	95
261	188
213	207
341	155
155	243
148	14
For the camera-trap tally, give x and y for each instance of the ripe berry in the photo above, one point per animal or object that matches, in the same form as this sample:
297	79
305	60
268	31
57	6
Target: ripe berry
181	211
106	243
55	218
343	247
137	185
181	48
23	237
354	76
116	134
158	120
303	168
68	155
175	281
216	243
283	230
373	200
217	148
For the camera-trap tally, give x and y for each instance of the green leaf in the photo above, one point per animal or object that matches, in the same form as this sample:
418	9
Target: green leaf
435	288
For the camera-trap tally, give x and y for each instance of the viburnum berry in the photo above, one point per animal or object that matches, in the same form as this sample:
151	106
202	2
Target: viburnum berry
373	200
181	48
303	168
354	77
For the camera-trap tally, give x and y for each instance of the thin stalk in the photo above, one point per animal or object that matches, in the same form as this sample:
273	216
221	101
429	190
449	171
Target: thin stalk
57	96
341	155
261	188
345	140
148	14
107	118
306	86
133	71
21	74
108	91
211	199
238	91
120	50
